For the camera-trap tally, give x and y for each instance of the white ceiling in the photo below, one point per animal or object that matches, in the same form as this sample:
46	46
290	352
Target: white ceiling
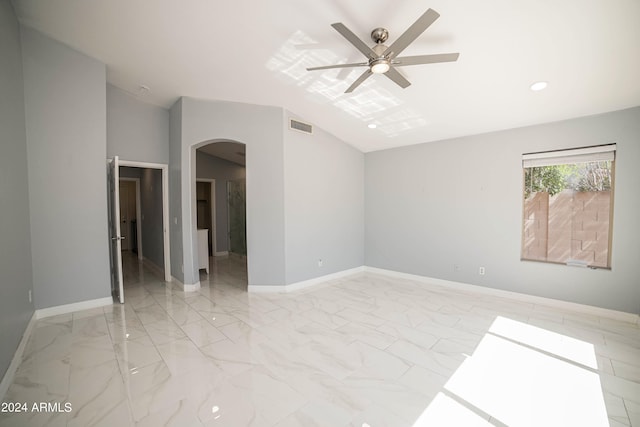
249	51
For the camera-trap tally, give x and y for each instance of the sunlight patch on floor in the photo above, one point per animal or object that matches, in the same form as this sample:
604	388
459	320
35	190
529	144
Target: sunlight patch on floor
548	380
446	412
551	342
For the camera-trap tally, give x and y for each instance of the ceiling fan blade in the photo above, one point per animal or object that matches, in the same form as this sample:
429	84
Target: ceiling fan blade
425	59
354	40
364	76
397	78
412	33
328	67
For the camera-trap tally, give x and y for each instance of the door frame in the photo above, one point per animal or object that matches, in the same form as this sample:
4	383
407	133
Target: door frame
214	230
138	214
165	208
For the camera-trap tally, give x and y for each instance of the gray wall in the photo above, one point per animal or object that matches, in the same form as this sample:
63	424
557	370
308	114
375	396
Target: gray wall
211	167
324	222
324	205
136	131
15	241
175	191
459	201
65	105
260	128
151	201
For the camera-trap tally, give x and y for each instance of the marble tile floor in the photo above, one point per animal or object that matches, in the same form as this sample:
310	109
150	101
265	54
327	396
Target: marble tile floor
364	351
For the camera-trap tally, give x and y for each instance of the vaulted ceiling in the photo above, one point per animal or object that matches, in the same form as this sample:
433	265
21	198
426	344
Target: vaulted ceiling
258	51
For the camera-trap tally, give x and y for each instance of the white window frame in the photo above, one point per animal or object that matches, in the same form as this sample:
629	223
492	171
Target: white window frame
605	152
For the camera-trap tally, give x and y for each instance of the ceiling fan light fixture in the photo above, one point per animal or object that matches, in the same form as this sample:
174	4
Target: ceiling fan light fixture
383	59
380	66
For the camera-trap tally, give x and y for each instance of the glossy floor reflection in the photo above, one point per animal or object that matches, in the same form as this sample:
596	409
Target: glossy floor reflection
362	351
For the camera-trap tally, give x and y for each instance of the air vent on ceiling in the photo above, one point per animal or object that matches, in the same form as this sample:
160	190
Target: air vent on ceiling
300	126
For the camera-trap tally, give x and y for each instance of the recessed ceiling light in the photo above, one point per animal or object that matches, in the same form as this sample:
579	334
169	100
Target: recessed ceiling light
372	126
538	86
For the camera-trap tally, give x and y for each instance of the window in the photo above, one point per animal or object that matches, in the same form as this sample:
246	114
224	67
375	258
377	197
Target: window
568	206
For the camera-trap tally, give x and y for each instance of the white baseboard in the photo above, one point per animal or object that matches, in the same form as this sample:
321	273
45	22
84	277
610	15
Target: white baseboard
549	302
70	308
191	288
7	379
305	283
186	288
221	253
155	268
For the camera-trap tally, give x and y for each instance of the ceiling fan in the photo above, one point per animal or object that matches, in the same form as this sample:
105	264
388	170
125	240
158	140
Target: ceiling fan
382	59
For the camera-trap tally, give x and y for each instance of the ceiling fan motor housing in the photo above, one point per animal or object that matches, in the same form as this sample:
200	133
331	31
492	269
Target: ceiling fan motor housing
379	35
380	64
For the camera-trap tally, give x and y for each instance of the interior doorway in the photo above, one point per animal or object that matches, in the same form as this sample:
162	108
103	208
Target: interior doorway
152	217
220	206
130	215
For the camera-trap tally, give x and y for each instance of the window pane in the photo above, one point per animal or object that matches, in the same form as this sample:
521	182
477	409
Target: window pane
567	209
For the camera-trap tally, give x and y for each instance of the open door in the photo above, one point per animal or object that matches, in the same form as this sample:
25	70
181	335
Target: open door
114	229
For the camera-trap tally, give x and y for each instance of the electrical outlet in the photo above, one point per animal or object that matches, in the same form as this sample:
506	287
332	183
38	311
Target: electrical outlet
320	263
30	299
481	271
457	268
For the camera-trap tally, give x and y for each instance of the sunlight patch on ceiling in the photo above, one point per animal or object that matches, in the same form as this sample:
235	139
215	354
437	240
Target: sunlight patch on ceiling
369	103
324	87
402	121
292	62
366	104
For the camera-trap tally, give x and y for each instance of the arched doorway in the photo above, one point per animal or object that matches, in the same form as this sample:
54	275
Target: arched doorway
220	210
